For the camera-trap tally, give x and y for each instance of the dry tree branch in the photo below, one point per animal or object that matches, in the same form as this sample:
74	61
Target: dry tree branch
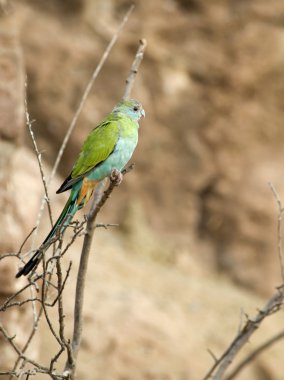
65	344
100	199
33	298
25	240
134	68
38	154
217	371
37	316
7	303
10	339
254	354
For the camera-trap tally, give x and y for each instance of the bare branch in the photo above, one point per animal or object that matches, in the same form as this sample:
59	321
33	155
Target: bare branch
61	315
217	371
134	68
211	353
38	154
105	226
254	354
10	339
25	240
6	304
101	198
61	288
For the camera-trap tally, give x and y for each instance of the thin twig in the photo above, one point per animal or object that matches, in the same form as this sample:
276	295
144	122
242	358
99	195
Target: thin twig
105	226
211	353
50	325
55	358
37	316
5	255
61	315
134	68
25	240
38	154
254	354
20	303
34	329
279	228
60	290
10	339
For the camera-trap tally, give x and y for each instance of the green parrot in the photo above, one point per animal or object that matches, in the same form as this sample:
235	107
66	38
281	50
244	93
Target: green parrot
109	146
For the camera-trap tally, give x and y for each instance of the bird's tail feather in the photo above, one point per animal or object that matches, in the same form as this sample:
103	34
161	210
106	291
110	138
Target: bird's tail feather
62	222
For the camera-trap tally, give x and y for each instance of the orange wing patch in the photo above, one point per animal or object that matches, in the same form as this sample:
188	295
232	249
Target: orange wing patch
86	191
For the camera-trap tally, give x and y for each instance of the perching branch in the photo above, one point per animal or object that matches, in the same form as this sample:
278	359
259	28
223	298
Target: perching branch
99	200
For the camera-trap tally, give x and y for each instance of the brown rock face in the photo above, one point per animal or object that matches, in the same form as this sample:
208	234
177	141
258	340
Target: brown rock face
12	78
18	179
212	85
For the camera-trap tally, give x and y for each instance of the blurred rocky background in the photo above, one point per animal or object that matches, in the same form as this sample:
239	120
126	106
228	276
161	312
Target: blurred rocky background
197	235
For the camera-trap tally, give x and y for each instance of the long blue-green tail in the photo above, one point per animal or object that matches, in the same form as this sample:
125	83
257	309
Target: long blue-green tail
62	222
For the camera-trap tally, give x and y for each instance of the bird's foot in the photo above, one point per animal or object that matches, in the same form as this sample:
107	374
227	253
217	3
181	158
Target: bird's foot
116	177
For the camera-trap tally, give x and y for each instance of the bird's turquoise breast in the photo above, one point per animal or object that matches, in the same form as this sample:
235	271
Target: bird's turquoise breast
121	154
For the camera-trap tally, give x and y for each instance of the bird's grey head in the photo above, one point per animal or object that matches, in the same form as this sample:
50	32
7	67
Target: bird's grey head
131	107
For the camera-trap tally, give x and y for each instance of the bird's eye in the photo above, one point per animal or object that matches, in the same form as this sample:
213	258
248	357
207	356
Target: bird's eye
135	108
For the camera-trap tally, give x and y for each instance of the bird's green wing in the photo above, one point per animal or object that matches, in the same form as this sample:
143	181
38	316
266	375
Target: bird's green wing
97	147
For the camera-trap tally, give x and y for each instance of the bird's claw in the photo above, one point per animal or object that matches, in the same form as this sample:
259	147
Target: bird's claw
116	177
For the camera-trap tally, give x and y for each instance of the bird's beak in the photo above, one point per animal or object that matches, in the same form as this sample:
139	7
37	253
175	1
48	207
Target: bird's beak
143	113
